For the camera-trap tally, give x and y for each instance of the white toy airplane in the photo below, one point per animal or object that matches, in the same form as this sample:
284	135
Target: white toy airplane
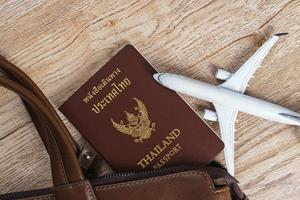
228	98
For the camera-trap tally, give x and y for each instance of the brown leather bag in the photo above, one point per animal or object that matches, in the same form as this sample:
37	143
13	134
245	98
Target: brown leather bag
193	183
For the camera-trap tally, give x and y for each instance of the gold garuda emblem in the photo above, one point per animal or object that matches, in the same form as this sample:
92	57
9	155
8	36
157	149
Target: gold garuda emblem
139	126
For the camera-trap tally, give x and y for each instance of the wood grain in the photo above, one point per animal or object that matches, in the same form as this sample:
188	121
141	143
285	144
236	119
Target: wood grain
60	44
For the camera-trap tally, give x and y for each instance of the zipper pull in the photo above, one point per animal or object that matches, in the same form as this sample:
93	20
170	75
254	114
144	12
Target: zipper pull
87	156
92	163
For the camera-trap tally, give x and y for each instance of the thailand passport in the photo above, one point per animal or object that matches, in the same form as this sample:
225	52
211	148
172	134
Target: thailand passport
134	122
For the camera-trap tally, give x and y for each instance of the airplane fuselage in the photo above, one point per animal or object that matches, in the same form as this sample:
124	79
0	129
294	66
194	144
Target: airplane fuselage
230	98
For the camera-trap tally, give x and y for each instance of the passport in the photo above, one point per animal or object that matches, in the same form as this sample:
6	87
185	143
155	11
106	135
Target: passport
134	123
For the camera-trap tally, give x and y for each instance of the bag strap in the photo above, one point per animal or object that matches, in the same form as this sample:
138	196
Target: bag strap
20	77
64	163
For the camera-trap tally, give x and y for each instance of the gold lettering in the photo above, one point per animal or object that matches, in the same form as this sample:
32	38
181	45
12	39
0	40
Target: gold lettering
153	155
86	100
170	137
176	132
115	86
111	96
168	156
104	81
106	100
159	148
127	81
166	143
122	85
145	161
95	109
115	91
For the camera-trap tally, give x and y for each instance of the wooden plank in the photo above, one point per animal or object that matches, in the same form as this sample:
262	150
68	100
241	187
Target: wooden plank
62	43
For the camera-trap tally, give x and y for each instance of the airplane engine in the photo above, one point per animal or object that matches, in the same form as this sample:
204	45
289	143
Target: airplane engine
210	115
222	74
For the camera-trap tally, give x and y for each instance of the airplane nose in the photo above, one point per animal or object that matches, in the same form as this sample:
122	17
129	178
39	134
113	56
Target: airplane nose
156	77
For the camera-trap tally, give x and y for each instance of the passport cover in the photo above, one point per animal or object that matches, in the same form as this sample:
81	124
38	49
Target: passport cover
134	122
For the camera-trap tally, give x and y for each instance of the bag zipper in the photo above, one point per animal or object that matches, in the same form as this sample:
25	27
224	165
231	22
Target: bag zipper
112	179
136	175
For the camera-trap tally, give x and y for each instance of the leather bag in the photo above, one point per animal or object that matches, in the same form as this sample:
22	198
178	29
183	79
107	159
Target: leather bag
192	183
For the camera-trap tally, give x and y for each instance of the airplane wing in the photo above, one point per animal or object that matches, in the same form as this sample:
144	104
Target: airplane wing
239	80
226	118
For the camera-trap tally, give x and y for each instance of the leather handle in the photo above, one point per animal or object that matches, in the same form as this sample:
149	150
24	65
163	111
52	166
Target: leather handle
20	77
64	163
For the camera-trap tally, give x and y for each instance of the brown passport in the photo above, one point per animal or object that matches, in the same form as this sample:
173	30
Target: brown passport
134	122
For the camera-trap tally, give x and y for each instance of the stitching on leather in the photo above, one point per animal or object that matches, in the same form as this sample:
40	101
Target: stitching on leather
223	190
40	198
211	184
211	187
61	166
88	187
76	184
79	184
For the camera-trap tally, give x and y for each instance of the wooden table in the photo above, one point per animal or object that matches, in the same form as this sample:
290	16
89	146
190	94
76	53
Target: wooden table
60	44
